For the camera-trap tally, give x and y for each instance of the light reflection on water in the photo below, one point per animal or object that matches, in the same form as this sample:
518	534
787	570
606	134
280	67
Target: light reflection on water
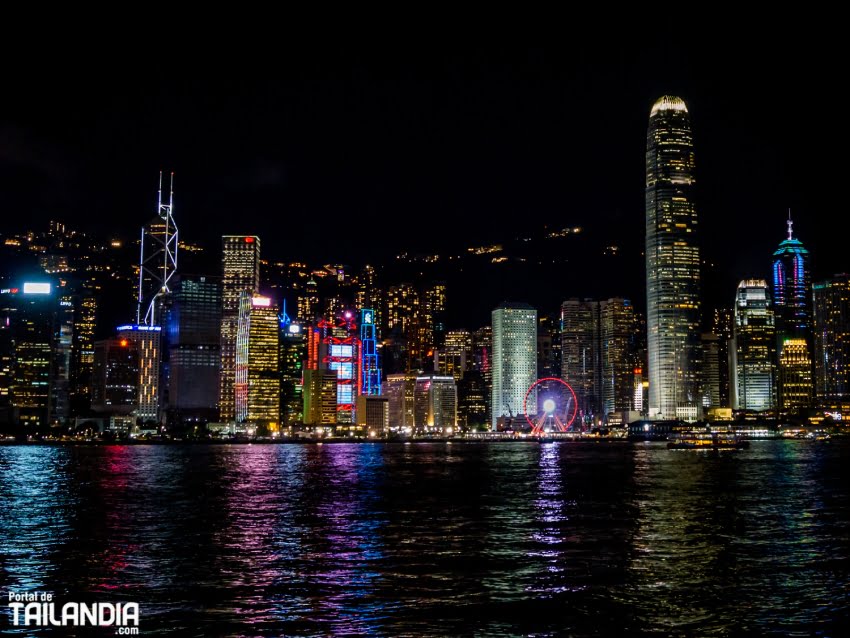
431	539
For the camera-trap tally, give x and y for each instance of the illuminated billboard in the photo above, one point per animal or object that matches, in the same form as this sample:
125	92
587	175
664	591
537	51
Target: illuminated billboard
31	288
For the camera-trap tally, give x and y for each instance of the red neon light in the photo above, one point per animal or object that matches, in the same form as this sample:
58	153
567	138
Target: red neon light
249	240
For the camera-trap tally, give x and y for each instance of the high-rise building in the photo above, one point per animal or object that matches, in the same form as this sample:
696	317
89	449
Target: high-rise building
148	342
795	375
580	361
373	414
320	397
293	354
472	400
192	335
754	349
482	356
116	376
257	386
435	404
399	389
455	357
832	340
617	347
792	301
308	301
27	341
672	264
711	370
82	353
722	328
514	361
241	273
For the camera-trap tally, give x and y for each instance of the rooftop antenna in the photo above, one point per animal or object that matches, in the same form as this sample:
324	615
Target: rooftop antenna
790	226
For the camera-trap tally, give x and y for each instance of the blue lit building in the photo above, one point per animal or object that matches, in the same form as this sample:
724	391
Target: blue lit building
792	298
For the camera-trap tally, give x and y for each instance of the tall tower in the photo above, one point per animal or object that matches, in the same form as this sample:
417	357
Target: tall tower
370	371
257	383
580	364
158	260
753	350
792	299
832	340
241	273
672	263
514	360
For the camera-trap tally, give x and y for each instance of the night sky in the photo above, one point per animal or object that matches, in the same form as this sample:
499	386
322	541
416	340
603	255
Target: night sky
355	152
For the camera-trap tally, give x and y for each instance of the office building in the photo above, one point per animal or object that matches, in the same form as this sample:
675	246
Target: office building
373	414
241	273
795	375
147	340
116	376
257	386
832	340
27	341
754	349
320	397
399	389
672	264
192	334
435	404
514	361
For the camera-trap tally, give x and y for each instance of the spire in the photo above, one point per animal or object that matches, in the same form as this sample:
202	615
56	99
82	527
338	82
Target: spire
790	226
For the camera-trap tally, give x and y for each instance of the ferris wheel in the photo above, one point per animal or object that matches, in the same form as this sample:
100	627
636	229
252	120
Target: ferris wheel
556	406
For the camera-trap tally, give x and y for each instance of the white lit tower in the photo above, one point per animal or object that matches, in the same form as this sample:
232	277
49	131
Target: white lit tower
157	266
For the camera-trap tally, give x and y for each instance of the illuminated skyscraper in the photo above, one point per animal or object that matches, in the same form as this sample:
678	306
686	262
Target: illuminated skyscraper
27	340
147	340
792	299
455	357
514	360
192	334
754	349
435	404
308	301
116	376
257	387
832	340
795	374
617	354
293	354
672	264
241	273
580	363
399	389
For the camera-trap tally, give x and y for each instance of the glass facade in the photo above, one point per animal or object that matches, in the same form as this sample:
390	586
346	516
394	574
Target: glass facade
832	339
795	374
672	263
241	273
257	387
514	362
792	300
754	349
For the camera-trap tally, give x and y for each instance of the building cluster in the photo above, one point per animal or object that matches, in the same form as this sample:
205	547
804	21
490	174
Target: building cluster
272	348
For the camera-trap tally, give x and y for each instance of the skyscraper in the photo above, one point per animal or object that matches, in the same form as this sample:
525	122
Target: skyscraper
792	301
672	263
257	387
435	403
754	349
27	341
148	343
241	273
514	360
580	363
399	389
192	335
116	376
617	354
795	375
832	340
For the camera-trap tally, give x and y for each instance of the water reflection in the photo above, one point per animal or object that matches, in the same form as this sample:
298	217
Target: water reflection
432	539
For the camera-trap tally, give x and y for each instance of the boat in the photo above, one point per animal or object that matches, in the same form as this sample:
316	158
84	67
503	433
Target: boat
707	441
